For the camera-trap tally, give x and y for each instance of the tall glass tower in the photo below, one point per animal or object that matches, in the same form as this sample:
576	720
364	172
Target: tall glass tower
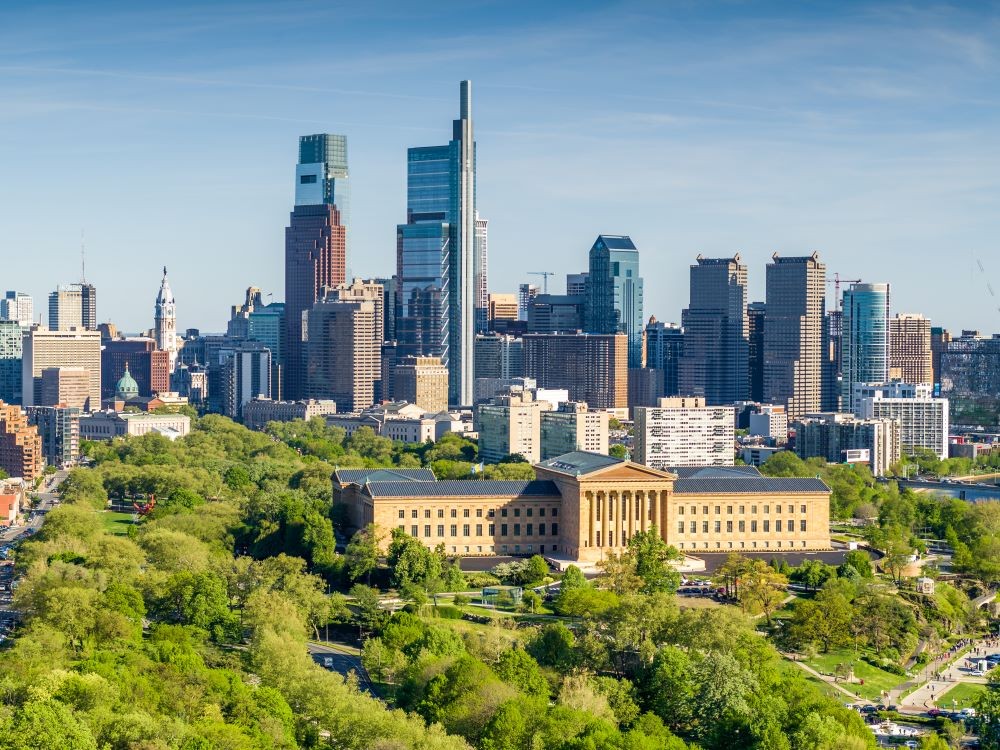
436	260
614	292
864	351
315	242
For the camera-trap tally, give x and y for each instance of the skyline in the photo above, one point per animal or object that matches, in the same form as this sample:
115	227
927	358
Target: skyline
885	164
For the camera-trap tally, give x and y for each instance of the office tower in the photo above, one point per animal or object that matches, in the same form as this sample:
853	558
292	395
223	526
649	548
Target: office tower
500	307
684	431
793	336
315	242
191	382
20	445
645	386
571	427
864	354
389	312
343	356
940	338
910	349
970	366
73	306
510	424
923	419
756	317
245	369
66	386
436	259
843	438
556	313
148	365
18	307
44	348
360	290
165	322
769	421
716	346
482	273
499	361
239	315
576	284
833	347
592	367
614	292
59	430
422	381
11	335
526	293
664	349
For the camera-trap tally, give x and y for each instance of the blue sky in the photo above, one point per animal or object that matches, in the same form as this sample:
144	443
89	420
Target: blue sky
168	133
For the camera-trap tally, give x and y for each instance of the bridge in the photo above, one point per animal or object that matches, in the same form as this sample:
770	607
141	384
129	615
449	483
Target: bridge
977	477
963	491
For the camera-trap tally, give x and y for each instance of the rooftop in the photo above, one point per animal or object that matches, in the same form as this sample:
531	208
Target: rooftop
713	472
363	476
507	488
579	462
748	484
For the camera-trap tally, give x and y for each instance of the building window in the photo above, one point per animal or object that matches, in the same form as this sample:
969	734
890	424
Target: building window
704	510
517	512
454	512
427	529
440	529
465	529
802	509
555	529
718	509
694	510
694	527
704	527
777	509
440	512
767	526
777	525
529	531
402	513
729	509
402	527
503	512
517	529
465	512
718	526
555	512
729	527
791	524
753	509
802	525
427	513
541	529
680	527
529	511
413	530
479	529
491	512
743	509
767	509
541	512
503	529
479	512
413	514
680	510
753	527
454	529
492	529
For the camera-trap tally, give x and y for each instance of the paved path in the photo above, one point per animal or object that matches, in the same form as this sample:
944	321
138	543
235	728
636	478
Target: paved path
924	696
830	681
342	660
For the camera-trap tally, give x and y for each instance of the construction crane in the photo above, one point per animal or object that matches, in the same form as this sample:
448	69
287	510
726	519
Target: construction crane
989	286
545	278
837	281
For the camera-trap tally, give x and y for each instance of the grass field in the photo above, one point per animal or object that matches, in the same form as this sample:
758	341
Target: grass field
115	522
963	694
875	679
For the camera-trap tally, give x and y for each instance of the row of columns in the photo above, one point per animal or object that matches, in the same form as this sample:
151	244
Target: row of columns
625	511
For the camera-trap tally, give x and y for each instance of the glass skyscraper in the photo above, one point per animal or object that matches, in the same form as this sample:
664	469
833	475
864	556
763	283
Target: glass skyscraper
614	292
864	351
315	242
436	260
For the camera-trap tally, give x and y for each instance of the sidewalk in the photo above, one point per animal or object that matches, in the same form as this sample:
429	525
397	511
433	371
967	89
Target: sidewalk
924	696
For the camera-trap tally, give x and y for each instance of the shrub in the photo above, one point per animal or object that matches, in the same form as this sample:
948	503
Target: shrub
448	612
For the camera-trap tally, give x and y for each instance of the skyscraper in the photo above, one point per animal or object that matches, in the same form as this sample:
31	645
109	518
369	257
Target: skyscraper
11	335
44	348
793	335
437	263
910	349
664	349
17	306
165	321
716	346
73	306
756	320
344	361
315	242
614	292
482	273
864	352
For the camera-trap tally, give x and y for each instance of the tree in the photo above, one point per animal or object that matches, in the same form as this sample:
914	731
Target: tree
620	574
618	451
860	561
652	562
785	464
554	647
537	570
368	612
812	574
763	589
362	553
411	562
572	579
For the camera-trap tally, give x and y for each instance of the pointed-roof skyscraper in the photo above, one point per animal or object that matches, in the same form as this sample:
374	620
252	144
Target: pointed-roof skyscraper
165	320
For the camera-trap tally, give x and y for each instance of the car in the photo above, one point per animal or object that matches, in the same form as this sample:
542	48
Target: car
934	712
868	709
328	662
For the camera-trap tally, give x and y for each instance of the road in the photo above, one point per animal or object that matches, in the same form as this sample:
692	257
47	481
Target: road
342	661
924	696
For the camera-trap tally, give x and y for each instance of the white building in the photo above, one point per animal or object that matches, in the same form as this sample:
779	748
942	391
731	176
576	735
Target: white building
106	425
19	307
841	437
771	422
573	427
510	424
401	421
260	411
923	419
683	431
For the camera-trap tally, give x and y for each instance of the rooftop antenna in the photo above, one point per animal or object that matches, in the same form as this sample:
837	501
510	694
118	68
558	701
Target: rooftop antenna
83	260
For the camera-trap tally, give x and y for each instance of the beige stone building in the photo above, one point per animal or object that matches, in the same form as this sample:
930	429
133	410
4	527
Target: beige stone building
66	386
422	381
45	348
583	506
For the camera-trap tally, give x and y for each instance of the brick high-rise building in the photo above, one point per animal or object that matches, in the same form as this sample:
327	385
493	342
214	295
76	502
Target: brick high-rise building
315	243
20	444
910	349
149	365
793	337
343	358
592	367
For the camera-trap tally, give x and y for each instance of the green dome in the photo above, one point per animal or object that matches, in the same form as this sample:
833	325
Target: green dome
127	387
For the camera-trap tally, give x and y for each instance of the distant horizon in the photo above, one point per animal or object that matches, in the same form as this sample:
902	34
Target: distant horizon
866	132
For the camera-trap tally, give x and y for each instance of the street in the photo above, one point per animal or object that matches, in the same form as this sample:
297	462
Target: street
343	662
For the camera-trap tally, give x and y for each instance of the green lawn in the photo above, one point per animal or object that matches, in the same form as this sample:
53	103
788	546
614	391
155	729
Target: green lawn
964	694
875	679
115	522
